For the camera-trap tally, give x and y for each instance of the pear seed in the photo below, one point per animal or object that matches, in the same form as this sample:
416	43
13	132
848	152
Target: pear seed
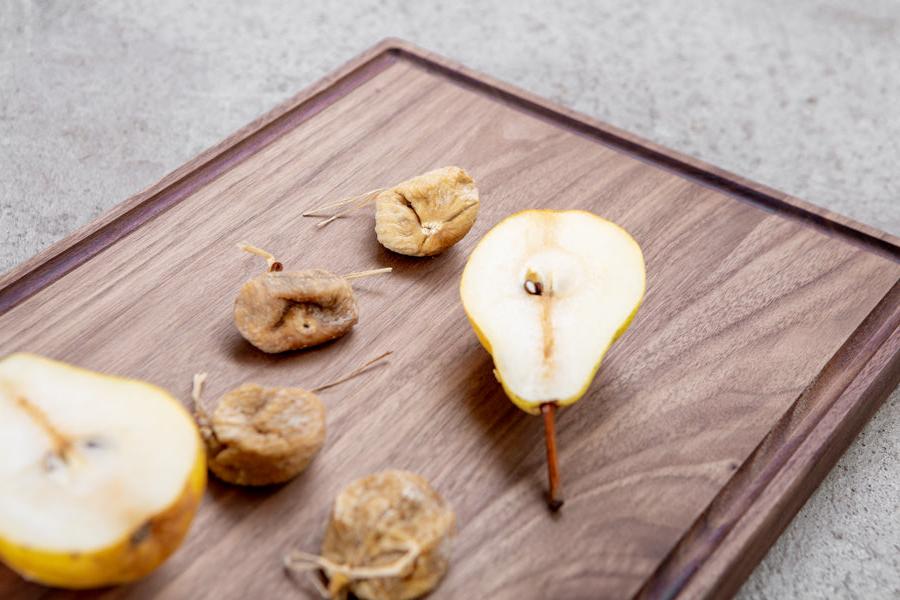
535	288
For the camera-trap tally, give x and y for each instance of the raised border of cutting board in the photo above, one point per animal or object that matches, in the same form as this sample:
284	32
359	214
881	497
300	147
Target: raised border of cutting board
728	540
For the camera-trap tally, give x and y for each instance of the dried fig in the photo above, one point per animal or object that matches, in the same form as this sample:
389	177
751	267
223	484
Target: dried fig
422	216
278	311
388	539
262	436
425	215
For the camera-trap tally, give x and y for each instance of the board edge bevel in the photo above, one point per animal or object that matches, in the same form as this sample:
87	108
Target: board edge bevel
770	487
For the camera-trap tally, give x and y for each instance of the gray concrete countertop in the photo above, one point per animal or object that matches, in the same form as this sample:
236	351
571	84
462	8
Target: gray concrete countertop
100	99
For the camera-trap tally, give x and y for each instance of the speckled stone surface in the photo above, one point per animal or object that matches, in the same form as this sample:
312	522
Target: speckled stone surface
100	99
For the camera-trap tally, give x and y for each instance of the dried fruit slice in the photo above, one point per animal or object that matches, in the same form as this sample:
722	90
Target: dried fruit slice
388	539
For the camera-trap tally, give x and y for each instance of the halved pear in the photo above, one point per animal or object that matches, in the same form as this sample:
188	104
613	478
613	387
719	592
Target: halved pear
101	476
547	293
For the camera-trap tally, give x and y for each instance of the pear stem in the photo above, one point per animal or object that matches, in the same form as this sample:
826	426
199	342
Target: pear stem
554	502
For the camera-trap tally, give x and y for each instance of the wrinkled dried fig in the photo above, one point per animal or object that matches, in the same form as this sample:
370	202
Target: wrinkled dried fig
425	215
262	436
278	311
422	216
388	539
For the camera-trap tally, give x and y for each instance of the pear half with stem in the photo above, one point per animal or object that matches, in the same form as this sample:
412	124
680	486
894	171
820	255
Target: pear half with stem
547	293
101	475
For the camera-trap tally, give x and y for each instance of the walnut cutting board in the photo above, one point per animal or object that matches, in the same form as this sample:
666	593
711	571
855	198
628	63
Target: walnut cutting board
768	335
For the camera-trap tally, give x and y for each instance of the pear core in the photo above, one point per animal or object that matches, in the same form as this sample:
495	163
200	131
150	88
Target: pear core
548	292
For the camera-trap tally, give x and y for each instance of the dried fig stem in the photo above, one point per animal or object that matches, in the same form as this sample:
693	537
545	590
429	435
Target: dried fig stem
341	575
352	373
554	502
355	203
274	265
196	392
359	274
316	212
338	215
200	409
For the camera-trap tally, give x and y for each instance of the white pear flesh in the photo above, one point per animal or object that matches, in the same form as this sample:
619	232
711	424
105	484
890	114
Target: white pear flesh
91	465
589	273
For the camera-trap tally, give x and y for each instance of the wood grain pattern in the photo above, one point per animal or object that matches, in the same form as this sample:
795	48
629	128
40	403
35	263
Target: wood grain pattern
768	335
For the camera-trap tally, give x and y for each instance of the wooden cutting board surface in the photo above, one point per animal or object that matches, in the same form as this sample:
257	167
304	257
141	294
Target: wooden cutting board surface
768	335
